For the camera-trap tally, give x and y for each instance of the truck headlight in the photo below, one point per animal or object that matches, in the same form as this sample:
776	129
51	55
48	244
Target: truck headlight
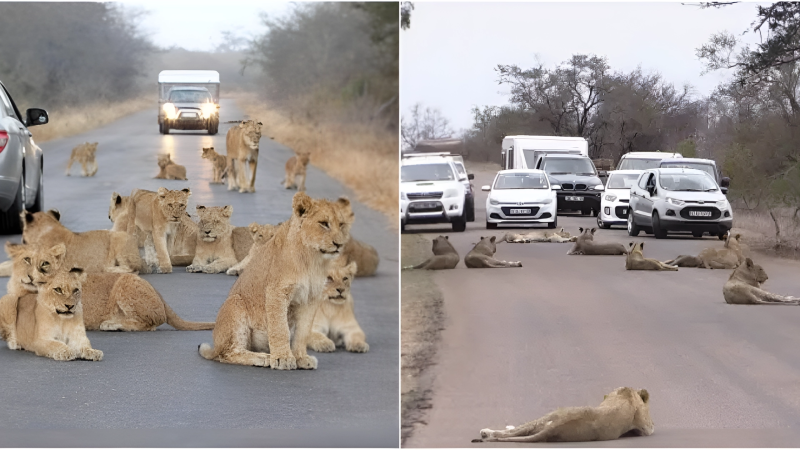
599	187
208	110
611	197
555	187
493	201
675	201
170	111
403	196
451	193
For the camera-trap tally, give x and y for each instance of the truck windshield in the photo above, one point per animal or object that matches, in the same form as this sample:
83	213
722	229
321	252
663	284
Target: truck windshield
638	164
707	168
622	180
521	181
557	166
189	96
426	172
691	182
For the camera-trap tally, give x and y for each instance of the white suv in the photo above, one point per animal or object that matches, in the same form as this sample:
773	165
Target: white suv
644	160
664	200
615	201
431	192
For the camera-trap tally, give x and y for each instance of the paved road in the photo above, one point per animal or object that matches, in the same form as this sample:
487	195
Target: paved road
565	330
155	385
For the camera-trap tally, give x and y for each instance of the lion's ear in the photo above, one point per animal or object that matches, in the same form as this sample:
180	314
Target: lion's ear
580	229
630	244
351	268
187	191
738	236
492	239
641	245
644	394
162	192
593	230
80	273
343	201
58	251
749	262
605	396
302	204
253	227
117	198
447	237
562	229
55	214
13	250
227	210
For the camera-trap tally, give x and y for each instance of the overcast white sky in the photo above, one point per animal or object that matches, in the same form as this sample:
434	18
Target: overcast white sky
449	53
198	25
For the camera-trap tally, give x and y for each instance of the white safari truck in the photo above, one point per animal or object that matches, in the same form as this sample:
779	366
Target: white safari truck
188	100
524	152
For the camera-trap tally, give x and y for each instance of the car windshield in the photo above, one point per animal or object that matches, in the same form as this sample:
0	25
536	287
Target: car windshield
707	168
563	166
189	96
692	182
521	181
638	164
426	172
622	180
462	172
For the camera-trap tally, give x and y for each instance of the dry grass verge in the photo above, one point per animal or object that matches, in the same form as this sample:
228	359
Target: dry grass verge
758	231
358	155
70	121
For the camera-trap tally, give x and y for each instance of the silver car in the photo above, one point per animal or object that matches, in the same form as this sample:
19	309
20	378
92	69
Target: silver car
21	163
664	200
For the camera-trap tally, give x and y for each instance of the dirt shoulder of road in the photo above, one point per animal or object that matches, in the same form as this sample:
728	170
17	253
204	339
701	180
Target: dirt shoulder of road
422	317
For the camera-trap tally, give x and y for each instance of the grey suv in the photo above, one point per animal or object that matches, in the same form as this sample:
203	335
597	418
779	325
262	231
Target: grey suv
21	163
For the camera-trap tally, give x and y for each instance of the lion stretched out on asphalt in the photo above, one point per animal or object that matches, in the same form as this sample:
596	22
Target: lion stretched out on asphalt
281	289
335	323
744	287
559	237
242	153
482	256
728	257
585	245
636	260
444	256
622	411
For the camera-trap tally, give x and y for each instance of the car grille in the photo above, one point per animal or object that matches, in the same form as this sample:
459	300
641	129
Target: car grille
424	195
507	210
580	187
715	213
568	186
618	212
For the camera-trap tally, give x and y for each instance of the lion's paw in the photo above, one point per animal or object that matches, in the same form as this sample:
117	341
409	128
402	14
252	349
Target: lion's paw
194	269
92	354
307	362
321	344
109	325
13	345
486	433
282	362
209	269
357	347
234	272
64	355
165	269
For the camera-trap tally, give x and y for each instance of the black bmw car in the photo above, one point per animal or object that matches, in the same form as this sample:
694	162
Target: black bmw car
575	180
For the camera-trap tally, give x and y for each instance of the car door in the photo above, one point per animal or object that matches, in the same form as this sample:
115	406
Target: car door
13	151
640	204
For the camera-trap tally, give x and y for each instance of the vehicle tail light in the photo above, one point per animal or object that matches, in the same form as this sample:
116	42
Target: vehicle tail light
3	140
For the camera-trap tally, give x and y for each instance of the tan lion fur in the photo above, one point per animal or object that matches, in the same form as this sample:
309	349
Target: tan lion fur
214	252
219	164
93	251
335	323
636	260
169	170
728	257
84	154
159	214
622	411
585	245
281	289
260	235
364	255
241	144
559	237
744	287
444	256
482	256
296	167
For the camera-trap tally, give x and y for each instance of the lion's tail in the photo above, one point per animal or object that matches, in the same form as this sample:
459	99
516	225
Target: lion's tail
174	320
206	351
6	267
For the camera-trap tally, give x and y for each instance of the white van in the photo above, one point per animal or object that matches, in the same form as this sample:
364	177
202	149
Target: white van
524	152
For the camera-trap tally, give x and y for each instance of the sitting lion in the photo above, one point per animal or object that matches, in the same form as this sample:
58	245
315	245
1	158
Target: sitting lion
335	323
585	245
728	257
241	144
214	252
445	256
169	170
482	256
50	323
281	289
219	163
622	411
636	260
296	167
260	235
158	214
744	287
559	236
84	154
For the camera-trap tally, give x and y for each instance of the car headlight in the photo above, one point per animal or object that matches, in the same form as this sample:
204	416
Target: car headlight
208	110
493	201
599	187
675	201
611	197
722	204
451	193
170	111
555	187
403	196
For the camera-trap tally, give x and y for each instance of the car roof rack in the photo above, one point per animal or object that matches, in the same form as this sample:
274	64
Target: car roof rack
417	155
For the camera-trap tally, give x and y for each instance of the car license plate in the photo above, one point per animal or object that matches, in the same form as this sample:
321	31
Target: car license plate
426	205
700	213
574	199
520	211
192	115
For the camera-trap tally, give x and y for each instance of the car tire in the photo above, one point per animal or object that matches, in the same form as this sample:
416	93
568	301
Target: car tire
460	223
721	236
595	213
165	127
633	229
10	222
697	234
491	226
554	223
586	212
602	224
658	232
471	211
402	227
38	205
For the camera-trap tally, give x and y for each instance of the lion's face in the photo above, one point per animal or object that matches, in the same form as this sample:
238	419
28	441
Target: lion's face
636	248
304	158
208	152
91	149
640	399
164	160
62	294
751	272
215	221
36	225
324	224
33	264
563	234
251	133
337	287
262	233
173	202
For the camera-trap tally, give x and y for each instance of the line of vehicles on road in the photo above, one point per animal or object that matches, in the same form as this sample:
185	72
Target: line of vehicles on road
654	192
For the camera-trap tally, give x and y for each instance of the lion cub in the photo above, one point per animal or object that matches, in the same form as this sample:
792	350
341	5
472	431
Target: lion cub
261	234
219	163
159	214
50	323
296	167
170	170
84	154
335	323
214	252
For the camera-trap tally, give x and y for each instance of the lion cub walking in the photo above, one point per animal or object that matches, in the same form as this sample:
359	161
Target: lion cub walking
219	163
296	167
85	155
170	170
335	323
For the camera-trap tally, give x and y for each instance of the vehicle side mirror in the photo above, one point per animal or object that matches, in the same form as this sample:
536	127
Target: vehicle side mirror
724	190
486	188
470	176
36	116
725	182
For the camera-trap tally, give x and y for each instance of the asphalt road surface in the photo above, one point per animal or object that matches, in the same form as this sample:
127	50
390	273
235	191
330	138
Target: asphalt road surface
565	330
153	388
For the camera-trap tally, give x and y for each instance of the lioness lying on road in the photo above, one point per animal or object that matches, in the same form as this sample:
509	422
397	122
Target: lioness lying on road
622	411
637	261
585	245
744	287
444	256
559	236
482	256
712	258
